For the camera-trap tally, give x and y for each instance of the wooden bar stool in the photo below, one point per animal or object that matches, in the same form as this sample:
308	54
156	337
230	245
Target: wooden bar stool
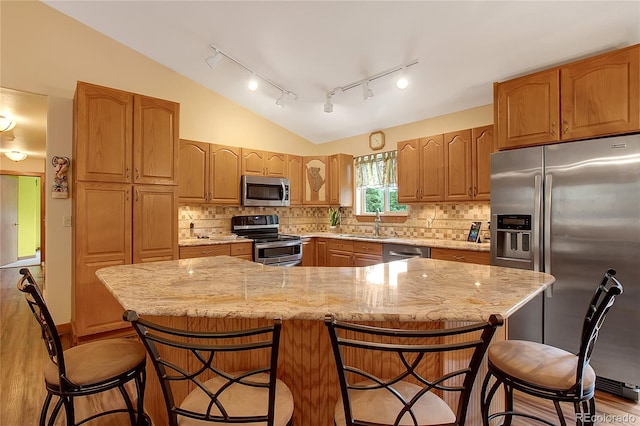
548	372
87	369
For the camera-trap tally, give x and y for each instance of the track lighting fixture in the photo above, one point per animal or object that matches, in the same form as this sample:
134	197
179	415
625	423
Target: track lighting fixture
328	105
367	93
254	81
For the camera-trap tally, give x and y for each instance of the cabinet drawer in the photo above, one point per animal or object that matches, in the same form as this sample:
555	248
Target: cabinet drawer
467	256
340	245
240	249
367	248
204	251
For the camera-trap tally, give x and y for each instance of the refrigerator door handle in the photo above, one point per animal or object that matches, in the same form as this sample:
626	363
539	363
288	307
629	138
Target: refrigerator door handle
536	223
548	183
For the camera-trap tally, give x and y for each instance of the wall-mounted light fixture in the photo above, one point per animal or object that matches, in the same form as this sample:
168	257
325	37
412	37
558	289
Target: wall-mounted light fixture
6	123
15	155
254	81
402	83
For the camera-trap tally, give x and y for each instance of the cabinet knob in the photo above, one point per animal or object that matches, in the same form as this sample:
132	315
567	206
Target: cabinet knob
475	191
128	172
566	126
553	130
137	195
137	173
469	193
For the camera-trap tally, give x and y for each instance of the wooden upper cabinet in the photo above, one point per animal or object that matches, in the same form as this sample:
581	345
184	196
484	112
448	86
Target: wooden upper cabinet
123	137
482	145
224	180
341	180
193	171
263	163
296	182
601	95
457	160
597	96
103	127
155	140
421	170
316	177
528	110
209	173
155	234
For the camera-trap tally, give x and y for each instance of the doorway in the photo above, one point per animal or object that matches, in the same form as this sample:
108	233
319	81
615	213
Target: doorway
22	231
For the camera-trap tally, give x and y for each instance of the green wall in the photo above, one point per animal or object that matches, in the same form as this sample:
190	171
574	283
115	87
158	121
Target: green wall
28	216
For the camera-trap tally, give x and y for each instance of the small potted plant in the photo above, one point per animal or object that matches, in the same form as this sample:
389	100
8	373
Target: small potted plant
334	218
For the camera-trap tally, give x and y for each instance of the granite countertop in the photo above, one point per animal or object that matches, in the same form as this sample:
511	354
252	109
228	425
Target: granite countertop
459	245
417	289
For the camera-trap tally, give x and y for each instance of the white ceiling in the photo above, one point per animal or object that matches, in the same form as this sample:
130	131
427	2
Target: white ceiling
29	111
312	47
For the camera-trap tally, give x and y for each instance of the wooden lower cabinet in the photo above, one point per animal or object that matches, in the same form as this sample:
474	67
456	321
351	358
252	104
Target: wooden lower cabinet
127	224
353	253
241	250
308	252
322	252
467	256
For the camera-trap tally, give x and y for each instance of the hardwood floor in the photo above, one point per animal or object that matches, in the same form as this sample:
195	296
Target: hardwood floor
22	357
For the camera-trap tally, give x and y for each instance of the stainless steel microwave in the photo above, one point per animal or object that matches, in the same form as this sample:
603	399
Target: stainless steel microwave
264	191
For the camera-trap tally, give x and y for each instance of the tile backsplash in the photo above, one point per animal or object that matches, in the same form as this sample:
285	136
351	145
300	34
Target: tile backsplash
450	221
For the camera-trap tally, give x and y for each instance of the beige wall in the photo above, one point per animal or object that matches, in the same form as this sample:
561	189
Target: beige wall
45	52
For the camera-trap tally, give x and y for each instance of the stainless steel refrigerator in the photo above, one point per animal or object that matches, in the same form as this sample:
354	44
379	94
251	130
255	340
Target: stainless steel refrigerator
573	210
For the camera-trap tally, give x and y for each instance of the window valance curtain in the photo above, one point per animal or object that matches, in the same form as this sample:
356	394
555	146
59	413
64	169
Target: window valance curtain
376	170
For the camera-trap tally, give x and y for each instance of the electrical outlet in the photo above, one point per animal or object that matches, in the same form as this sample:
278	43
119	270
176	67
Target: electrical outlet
66	221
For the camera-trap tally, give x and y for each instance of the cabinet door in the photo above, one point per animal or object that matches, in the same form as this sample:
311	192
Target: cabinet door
321	252
225	175
193	172
466	256
275	164
340	258
103	134
308	252
101	239
253	162
316	190
457	166
481	149
431	170
155	141
408	171
294	173
528	110
341	180
366	259
155	223
601	95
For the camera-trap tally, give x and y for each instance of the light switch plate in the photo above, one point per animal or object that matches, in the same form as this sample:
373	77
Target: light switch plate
66	221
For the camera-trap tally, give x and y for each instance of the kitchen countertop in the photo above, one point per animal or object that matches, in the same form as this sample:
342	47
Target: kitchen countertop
417	289
430	242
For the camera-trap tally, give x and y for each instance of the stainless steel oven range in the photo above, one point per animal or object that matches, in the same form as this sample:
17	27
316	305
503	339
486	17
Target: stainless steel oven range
269	246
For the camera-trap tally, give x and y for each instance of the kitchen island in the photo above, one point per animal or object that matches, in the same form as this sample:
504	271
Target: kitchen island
224	293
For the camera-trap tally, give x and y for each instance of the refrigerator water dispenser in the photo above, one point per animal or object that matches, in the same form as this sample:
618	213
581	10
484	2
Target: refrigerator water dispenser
514	237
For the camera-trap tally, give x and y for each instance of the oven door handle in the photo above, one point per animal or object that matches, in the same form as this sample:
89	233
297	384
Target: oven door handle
279	244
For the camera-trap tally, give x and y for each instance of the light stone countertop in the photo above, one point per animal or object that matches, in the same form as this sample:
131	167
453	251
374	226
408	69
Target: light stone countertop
417	289
430	242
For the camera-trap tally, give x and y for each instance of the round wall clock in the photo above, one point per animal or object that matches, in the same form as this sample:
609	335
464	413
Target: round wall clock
376	140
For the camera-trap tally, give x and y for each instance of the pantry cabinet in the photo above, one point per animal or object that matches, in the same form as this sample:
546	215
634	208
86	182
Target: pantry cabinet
125	199
209	173
263	163
421	170
597	96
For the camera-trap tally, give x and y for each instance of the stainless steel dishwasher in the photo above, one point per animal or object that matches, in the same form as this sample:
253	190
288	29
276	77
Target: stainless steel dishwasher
391	252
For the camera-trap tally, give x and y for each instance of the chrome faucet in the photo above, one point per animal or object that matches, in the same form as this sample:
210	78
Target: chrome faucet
376	226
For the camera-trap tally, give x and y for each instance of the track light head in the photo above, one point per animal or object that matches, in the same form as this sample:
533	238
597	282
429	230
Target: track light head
282	99
367	93
214	60
253	83
402	82
328	105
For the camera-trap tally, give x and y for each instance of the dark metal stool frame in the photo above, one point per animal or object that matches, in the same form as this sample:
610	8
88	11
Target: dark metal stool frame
583	400
66	390
402	348
198	344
